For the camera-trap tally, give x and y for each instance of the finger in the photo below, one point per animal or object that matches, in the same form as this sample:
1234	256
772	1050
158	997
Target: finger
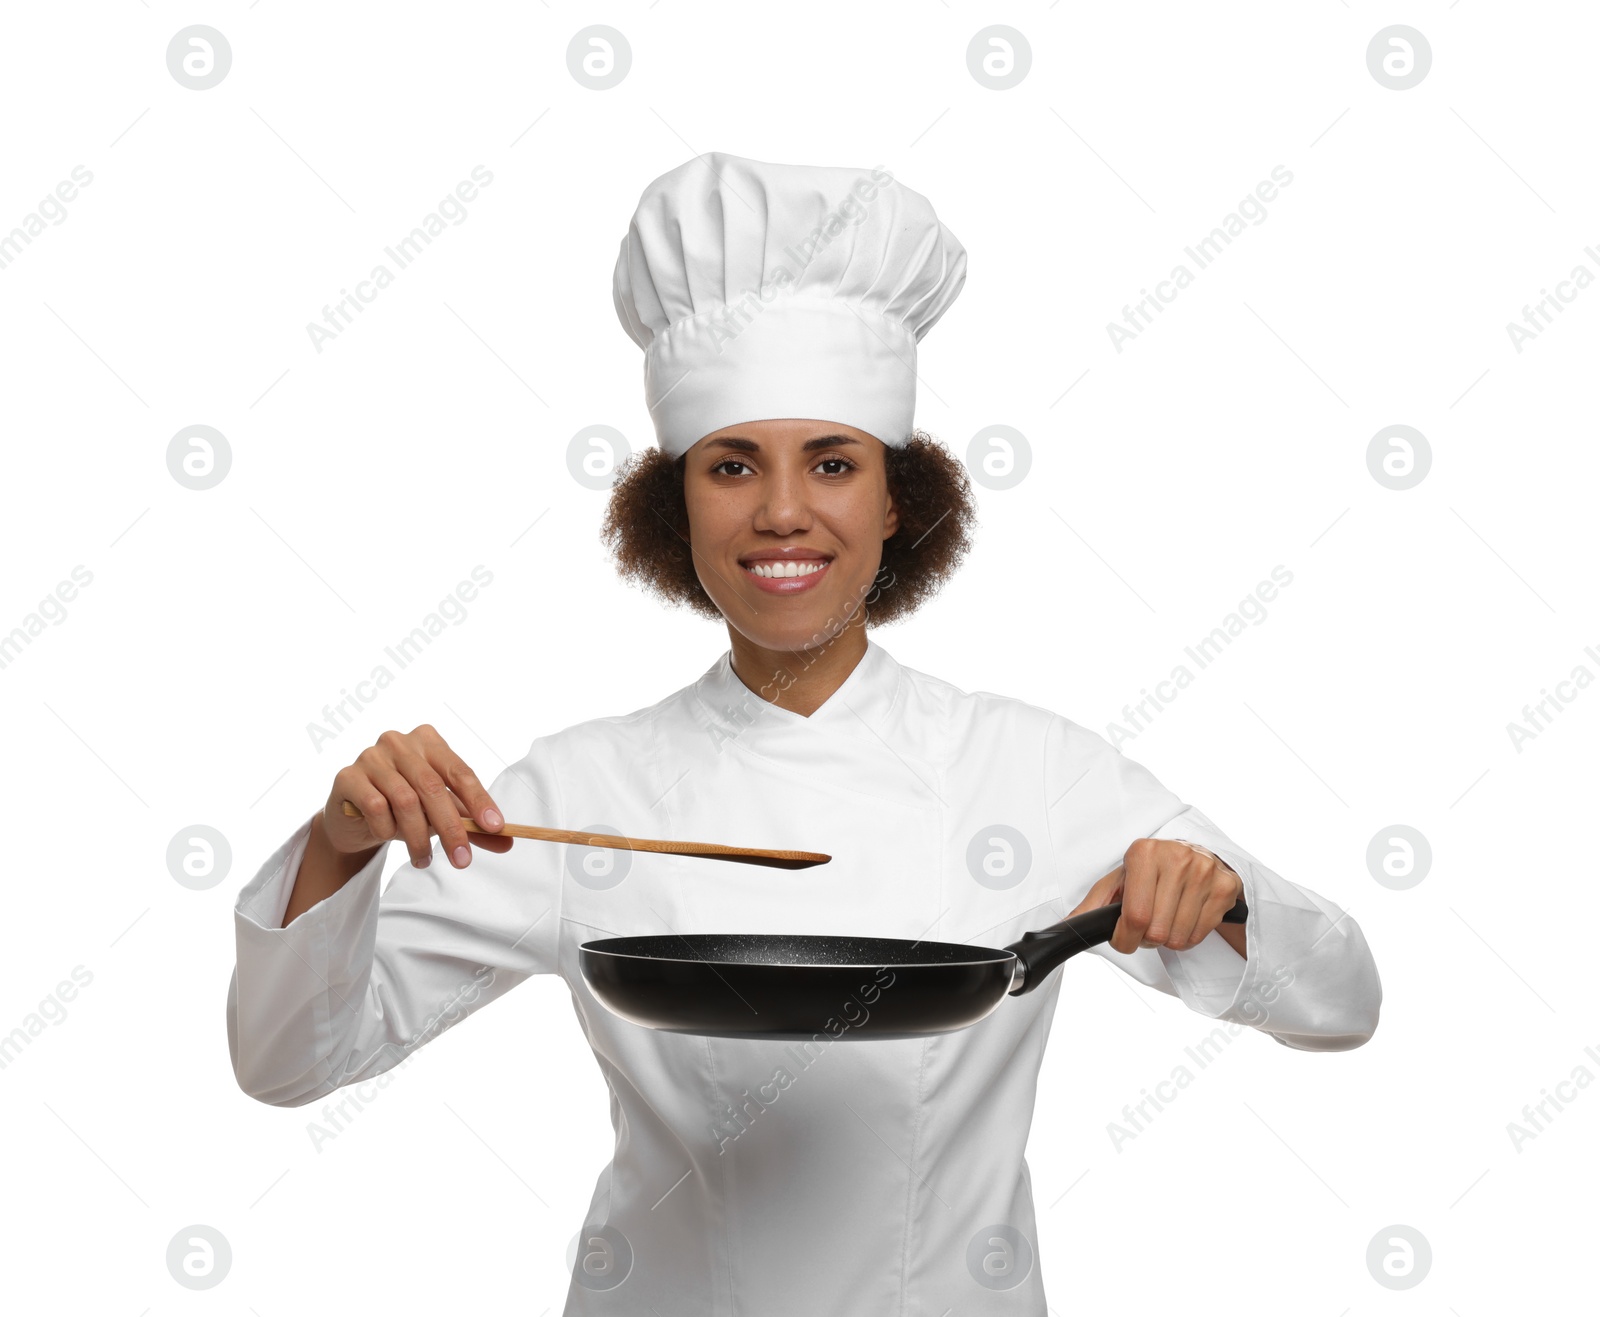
469	791
1216	905
406	806
376	824
489	841
1187	927
1173	876
443	815
1139	886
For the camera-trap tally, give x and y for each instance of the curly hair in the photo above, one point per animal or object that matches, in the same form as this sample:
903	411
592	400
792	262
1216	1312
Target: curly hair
646	526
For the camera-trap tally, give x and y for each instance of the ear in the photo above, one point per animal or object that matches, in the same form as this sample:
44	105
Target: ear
891	511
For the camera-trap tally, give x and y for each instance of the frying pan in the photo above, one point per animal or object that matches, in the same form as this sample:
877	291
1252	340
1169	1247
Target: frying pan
794	987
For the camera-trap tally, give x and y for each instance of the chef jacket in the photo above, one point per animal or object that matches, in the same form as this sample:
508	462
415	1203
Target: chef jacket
761	1178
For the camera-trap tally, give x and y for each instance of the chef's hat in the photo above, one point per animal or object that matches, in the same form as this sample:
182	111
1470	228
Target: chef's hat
762	291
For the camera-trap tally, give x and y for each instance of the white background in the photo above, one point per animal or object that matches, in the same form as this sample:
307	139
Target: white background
367	479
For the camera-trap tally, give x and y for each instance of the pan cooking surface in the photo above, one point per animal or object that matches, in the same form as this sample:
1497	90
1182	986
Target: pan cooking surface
795	949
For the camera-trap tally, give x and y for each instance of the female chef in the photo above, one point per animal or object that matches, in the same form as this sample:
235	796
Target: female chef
791	499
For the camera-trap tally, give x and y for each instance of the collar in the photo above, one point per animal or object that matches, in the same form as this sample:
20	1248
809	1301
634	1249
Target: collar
856	735
866	696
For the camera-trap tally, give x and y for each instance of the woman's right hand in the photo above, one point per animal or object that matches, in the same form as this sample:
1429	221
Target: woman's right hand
411	785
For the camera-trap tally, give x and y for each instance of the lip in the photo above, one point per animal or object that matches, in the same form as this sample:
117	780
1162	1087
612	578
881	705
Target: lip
798	552
786	584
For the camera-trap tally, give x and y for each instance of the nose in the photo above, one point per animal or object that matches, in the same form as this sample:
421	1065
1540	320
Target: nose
785	505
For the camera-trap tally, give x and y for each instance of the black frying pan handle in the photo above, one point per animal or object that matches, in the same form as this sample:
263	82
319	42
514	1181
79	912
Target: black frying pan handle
1042	950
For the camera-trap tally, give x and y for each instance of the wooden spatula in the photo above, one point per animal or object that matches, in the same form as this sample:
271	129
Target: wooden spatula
699	850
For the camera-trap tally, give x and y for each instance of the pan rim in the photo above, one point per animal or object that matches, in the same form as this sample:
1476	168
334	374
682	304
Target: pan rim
999	957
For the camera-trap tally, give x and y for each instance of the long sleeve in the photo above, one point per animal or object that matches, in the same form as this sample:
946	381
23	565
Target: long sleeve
362	979
1309	979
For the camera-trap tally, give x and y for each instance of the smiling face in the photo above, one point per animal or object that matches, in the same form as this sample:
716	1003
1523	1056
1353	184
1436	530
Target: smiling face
787	520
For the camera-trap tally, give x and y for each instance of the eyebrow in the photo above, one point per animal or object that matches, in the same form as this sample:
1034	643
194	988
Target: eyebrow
810	445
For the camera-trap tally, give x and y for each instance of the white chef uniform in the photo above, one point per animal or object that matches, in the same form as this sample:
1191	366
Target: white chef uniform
856	1186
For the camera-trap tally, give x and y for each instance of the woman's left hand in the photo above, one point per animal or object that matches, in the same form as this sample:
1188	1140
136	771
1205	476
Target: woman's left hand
1172	893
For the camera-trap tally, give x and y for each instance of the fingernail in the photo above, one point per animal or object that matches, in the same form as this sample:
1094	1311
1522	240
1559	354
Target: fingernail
425	861
462	856
491	817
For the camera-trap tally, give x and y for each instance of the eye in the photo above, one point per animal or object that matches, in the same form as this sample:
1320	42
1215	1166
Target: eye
845	462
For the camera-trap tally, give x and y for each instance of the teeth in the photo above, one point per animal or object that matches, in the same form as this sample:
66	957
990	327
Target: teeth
794	567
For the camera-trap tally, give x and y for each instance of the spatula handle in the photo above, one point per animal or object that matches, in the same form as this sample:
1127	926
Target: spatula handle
699	850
